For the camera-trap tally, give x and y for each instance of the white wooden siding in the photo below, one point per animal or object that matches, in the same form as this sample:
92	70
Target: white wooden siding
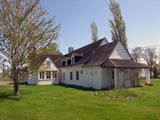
91	76
34	78
120	52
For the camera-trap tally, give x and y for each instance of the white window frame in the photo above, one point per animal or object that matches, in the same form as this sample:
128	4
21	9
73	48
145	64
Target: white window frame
48	75
54	74
41	73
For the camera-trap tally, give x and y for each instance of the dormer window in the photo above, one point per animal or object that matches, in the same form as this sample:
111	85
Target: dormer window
63	63
77	58
48	64
69	61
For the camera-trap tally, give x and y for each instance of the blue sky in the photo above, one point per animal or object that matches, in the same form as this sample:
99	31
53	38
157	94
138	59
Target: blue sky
142	20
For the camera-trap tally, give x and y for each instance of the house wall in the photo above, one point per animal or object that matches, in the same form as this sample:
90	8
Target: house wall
126	78
120	52
43	67
107	78
35	79
90	77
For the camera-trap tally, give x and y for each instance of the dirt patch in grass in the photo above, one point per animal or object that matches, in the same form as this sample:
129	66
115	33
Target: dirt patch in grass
5	83
120	94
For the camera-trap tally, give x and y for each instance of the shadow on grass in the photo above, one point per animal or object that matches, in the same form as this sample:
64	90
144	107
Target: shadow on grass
8	96
77	87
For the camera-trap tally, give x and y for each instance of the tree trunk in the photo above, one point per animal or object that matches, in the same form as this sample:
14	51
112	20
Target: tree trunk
15	80
16	86
151	73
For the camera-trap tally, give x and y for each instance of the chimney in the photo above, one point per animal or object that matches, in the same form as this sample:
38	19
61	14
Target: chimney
70	49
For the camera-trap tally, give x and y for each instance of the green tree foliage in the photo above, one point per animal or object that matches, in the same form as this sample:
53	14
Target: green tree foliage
118	28
94	31
52	48
23	30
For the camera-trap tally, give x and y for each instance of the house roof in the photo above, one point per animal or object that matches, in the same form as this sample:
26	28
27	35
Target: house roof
88	48
95	54
98	56
116	63
55	59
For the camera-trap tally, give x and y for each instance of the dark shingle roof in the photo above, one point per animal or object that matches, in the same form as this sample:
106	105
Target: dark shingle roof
117	63
99	55
95	54
55	59
88	48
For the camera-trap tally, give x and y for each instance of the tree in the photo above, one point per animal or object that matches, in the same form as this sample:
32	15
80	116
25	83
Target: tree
150	57
23	30
52	48
118	28
94	31
137	53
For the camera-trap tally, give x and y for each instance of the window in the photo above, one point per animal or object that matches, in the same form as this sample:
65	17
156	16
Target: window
48	63
41	75
112	74
71	76
77	75
77	58
48	74
54	74
81	71
64	75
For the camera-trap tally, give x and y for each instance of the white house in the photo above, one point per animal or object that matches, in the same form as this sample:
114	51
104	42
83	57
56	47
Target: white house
99	65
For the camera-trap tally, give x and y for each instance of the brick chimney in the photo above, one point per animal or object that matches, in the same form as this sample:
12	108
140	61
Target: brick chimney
70	49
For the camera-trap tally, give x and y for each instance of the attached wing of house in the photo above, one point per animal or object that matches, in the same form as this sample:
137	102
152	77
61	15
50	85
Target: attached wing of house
98	65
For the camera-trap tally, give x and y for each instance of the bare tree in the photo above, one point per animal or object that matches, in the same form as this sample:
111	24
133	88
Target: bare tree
94	31
150	57
137	53
23	30
118	28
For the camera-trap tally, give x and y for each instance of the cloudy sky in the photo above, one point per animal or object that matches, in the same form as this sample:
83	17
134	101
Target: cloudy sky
142	18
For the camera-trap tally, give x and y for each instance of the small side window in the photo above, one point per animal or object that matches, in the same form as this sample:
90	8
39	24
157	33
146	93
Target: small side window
71	76
64	76
81	71
48	64
77	75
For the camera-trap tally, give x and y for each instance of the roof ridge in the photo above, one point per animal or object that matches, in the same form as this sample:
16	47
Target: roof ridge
100	40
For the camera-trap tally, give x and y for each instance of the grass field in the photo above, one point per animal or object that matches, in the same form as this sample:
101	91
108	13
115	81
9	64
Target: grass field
64	103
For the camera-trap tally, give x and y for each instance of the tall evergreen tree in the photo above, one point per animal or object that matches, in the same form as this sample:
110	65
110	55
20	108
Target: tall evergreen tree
118	28
94	31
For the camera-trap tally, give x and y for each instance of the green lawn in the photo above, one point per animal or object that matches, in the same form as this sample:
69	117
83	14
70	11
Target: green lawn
64	103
